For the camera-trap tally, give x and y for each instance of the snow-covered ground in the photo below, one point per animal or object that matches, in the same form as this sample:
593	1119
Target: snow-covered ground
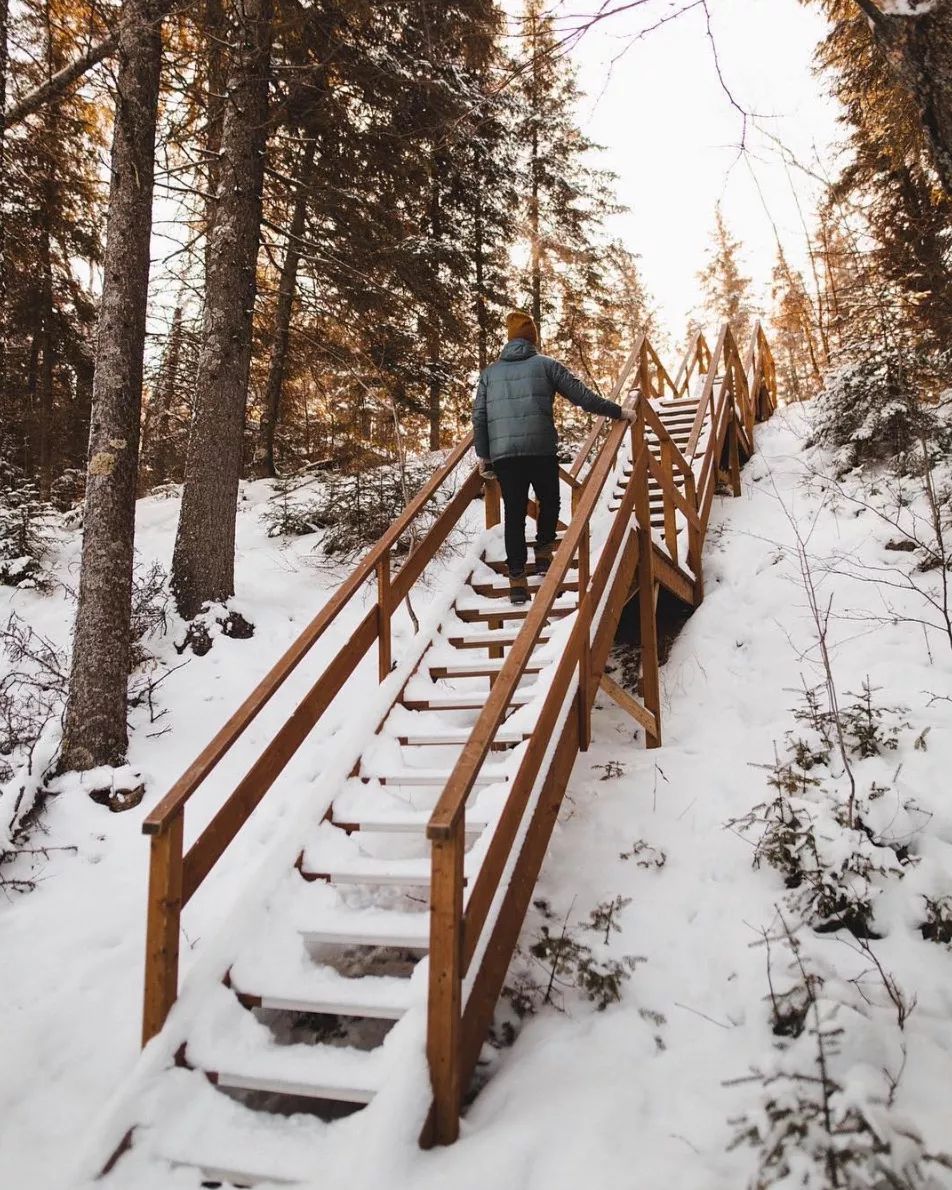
652	1090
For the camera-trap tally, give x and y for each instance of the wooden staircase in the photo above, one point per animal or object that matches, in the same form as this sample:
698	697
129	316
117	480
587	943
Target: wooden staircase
387	928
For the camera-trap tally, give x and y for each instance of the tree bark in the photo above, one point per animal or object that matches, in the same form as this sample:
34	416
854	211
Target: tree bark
157	426
203	562
95	730
215	30
918	47
4	59
479	263
264	455
433	337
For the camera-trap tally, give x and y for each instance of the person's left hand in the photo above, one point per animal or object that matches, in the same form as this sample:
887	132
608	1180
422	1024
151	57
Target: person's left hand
486	469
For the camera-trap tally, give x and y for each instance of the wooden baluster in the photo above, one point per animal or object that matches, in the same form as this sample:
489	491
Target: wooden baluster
444	1006
164	912
733	455
650	675
384	614
585	652
644	371
695	541
670	512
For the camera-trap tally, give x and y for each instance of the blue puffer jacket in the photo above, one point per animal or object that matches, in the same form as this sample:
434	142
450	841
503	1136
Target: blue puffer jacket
513	410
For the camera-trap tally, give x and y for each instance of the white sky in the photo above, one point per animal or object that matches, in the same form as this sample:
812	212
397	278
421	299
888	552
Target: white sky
672	136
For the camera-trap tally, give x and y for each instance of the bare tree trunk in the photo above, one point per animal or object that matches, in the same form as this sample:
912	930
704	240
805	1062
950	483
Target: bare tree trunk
535	229
203	563
4	330
215	30
96	710
433	339
264	455
479	262
918	47
157	425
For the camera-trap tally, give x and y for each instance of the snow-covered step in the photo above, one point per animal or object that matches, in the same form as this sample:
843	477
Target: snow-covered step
232	1175
410	822
483	612
422	738
489	637
500	590
324	990
369	927
475	669
500	566
436	778
338	1083
240	1053
462	702
363	869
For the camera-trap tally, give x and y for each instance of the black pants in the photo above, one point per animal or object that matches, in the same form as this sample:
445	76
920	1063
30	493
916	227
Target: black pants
516	476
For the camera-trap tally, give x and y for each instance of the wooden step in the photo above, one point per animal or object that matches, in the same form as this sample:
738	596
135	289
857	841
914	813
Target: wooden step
335	1090
384	997
408	823
492	638
392	873
430	778
428	739
479	615
477	669
369	927
232	1175
500	567
236	1058
501	590
461	702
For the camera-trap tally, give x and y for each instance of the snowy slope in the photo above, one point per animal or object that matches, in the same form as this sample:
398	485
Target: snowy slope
649	1091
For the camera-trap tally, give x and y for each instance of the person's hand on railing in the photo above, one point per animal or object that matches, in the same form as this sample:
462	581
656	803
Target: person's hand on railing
486	469
629	415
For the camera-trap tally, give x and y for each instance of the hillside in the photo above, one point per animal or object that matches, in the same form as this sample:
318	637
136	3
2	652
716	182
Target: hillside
659	1085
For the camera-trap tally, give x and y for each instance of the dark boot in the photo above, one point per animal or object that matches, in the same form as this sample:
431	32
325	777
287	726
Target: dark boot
543	557
518	588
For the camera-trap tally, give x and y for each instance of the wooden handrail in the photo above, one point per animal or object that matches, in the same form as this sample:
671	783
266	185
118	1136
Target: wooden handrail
707	393
601	422
162	814
493	864
448	812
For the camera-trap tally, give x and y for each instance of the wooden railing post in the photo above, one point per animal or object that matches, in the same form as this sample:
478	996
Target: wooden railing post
384	616
670	518
650	665
644	371
585	650
444	1005
695	539
492	502
162	926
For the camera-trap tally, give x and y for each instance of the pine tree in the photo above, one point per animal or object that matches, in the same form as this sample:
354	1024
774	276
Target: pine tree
564	199
51	218
727	292
796	341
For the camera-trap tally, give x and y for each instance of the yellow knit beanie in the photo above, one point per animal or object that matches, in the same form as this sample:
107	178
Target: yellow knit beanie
520	325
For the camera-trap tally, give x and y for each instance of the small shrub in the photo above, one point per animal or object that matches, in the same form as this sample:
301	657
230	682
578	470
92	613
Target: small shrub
358	508
644	855
291	514
26	524
937	926
869	410
570	963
